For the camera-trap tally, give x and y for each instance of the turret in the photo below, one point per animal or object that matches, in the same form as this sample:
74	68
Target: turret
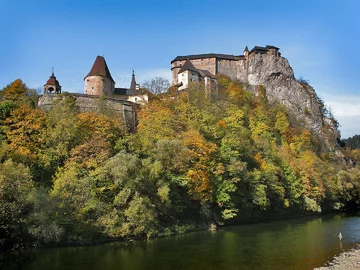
52	85
99	80
246	52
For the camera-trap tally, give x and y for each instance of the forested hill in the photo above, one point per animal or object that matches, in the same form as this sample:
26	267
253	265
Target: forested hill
353	142
196	158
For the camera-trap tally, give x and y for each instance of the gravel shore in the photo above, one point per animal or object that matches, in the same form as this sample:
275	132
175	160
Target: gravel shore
345	261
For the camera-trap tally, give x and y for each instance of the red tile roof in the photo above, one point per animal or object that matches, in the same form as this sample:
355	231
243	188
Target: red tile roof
53	81
100	68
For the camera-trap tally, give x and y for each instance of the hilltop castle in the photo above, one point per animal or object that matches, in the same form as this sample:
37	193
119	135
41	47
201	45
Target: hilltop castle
99	82
204	67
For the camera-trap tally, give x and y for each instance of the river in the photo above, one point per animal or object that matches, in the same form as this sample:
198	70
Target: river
302	243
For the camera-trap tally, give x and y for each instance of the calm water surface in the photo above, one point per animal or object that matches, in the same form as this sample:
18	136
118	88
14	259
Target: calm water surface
301	243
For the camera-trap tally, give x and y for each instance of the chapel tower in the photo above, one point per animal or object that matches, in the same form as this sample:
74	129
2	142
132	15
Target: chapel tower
52	85
99	81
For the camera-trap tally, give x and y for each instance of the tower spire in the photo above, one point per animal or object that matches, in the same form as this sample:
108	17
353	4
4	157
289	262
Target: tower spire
133	82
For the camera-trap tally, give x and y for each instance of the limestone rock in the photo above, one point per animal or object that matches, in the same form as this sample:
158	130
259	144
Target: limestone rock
304	106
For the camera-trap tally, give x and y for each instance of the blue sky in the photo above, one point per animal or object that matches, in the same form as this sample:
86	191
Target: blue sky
319	38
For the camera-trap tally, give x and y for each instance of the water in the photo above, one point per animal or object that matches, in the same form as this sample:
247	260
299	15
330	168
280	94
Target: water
302	243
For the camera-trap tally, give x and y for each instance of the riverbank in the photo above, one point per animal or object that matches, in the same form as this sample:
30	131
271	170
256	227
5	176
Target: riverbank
345	261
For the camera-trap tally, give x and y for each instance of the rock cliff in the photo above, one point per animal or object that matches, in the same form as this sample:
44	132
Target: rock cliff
304	106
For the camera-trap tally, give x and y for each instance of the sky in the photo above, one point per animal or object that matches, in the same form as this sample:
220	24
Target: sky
320	38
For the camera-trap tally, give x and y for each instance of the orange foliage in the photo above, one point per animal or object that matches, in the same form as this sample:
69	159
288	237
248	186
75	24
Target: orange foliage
198	176
25	132
93	124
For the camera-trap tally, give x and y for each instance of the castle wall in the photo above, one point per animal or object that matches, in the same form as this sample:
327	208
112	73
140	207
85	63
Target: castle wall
85	102
205	63
97	85
242	70
175	68
227	67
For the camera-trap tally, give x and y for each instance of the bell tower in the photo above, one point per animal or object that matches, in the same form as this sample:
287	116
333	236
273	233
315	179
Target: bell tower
52	85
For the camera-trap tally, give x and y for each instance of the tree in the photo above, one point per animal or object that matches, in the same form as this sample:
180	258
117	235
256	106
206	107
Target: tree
14	90
157	85
16	201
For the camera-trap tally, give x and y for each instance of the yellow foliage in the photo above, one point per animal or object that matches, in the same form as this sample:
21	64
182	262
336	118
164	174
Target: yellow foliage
260	160
14	90
25	132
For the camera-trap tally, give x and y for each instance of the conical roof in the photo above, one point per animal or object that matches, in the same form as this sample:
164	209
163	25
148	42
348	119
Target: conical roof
100	68
53	81
133	83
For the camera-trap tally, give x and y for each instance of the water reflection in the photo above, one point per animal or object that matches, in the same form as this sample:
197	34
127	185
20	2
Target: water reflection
288	244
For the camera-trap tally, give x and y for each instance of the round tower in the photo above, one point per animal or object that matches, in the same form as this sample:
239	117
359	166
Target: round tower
99	81
52	85
175	68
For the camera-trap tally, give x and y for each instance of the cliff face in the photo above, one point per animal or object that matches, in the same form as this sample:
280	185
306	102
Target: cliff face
304	107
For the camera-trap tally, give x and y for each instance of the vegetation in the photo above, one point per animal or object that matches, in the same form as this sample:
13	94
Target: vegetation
352	142
196	158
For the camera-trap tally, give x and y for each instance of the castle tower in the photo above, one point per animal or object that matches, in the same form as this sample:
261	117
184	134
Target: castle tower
52	85
99	81
246	52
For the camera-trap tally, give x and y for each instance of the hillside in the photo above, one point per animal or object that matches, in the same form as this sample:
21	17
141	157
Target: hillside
197	158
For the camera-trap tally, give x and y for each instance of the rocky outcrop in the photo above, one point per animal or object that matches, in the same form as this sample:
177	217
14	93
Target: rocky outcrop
304	106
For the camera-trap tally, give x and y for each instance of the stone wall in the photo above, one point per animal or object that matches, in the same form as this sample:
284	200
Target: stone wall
227	67
206	64
97	85
126	109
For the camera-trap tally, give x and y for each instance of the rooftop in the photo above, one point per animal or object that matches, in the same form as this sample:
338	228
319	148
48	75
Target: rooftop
100	68
206	55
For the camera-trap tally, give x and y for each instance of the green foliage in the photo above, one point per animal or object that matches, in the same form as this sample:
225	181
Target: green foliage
353	142
16	202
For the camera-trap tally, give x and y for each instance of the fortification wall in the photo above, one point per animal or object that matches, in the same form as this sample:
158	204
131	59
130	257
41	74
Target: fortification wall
205	63
125	109
228	68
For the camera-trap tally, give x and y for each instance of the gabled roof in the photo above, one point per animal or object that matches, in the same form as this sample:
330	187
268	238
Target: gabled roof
100	68
206	55
188	66
206	73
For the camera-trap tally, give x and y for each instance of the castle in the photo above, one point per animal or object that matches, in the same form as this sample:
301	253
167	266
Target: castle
204	67
99	82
